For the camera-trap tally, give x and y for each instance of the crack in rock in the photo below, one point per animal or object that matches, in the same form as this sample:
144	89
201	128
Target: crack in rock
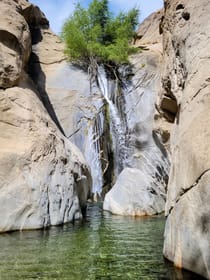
184	191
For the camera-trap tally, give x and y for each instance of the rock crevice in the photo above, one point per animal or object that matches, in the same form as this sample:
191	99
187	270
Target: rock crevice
186	190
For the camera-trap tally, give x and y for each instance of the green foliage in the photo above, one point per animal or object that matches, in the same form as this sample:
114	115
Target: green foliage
94	34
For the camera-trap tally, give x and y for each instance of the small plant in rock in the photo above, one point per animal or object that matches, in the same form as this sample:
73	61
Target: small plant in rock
94	36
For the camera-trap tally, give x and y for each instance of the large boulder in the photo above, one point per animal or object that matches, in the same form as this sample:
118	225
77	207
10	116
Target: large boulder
44	177
186	79
41	171
134	195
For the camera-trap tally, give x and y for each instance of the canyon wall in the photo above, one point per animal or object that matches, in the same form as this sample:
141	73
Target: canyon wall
44	179
164	104
110	119
186	81
158	111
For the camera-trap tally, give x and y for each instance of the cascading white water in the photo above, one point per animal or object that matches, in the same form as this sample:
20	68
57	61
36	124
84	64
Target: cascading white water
117	126
95	131
93	153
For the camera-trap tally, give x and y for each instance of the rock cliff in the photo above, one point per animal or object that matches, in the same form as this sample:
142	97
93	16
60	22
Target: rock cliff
141	187
106	121
65	88
186	81
161	115
44	179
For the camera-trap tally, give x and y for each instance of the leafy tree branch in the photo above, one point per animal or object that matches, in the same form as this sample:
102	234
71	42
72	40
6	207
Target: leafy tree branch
95	36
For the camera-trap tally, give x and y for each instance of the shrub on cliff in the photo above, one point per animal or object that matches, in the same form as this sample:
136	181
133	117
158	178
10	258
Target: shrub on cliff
94	35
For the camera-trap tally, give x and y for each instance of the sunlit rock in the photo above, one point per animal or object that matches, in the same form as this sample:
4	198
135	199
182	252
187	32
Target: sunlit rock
44	179
186	78
134	195
15	43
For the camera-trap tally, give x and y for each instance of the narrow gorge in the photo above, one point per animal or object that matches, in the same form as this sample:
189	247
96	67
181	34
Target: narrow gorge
132	137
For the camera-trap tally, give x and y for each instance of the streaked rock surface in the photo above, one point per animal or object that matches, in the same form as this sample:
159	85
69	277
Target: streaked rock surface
186	79
147	157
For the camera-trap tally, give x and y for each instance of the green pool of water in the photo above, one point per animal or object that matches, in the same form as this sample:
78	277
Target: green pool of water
102	247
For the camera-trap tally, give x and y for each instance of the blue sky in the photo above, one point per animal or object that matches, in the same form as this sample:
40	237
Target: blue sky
58	10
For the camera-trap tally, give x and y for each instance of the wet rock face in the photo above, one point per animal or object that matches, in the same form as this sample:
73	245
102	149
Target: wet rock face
79	108
44	179
147	157
84	113
186	75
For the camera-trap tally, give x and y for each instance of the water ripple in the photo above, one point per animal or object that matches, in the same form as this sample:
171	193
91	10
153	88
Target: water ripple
101	248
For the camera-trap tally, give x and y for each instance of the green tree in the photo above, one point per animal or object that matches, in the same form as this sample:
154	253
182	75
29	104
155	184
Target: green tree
94	35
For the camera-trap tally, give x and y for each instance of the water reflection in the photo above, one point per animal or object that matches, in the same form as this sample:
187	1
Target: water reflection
102	247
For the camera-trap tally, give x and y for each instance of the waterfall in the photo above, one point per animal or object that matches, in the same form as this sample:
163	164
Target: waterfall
93	152
117	124
106	131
